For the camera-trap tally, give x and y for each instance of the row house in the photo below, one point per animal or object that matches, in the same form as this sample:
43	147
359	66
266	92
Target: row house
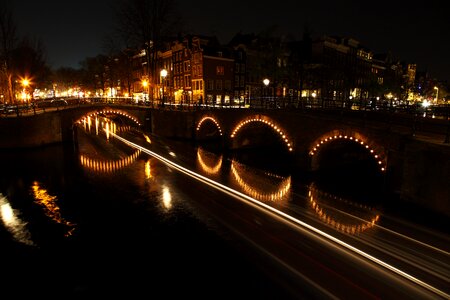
201	71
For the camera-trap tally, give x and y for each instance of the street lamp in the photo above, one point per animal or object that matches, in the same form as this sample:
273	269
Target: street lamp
145	85
25	83
163	74
437	93
266	82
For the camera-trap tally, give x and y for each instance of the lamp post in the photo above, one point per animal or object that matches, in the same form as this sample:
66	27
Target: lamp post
145	85
266	83
25	83
163	74
437	94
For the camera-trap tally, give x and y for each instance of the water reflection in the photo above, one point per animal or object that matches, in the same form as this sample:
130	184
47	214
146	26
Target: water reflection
107	125
339	219
208	163
256	190
167	198
43	198
12	222
108	166
148	170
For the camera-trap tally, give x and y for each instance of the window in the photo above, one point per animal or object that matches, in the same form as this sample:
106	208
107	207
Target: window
227	85
220	70
210	85
187	81
187	66
219	85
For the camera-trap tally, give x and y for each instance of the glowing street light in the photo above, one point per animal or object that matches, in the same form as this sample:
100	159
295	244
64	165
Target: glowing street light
437	93
144	85
25	83
266	83
163	74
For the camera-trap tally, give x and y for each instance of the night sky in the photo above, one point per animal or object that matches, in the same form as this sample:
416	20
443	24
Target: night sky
72	31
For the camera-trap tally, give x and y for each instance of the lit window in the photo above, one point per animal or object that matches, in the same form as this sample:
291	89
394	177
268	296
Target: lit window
220	70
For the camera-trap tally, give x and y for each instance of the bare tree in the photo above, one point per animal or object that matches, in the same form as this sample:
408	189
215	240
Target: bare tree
145	24
8	40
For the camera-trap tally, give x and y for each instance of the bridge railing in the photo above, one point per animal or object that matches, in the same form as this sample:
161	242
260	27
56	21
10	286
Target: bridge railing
413	117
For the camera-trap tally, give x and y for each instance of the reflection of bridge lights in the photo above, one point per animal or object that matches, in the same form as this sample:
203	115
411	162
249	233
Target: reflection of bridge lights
167	198
110	111
13	223
209	119
326	218
272	211
208	169
282	192
313	151
49	203
148	170
147	138
276	128
108	166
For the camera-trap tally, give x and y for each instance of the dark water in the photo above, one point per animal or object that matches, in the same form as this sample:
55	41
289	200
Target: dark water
106	221
73	231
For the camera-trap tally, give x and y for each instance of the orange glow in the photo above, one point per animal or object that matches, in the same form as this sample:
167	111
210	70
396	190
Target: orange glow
214	169
333	222
359	141
256	192
209	119
269	123
49	203
108	165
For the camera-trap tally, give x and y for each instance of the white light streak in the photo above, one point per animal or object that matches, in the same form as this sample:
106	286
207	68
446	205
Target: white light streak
238	195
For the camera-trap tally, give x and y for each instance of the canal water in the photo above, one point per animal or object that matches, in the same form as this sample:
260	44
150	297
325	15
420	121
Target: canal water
103	219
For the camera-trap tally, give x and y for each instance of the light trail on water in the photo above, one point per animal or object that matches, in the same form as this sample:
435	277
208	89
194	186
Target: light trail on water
303	225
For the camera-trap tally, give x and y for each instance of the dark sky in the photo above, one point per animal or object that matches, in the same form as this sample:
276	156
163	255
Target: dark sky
414	33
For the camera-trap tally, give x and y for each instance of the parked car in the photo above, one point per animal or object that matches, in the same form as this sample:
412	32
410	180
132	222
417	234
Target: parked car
58	102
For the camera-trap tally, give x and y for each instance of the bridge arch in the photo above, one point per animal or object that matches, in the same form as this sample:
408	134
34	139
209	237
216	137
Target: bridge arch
209	119
376	151
275	126
106	111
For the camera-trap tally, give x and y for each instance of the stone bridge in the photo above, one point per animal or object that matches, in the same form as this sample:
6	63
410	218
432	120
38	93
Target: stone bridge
409	150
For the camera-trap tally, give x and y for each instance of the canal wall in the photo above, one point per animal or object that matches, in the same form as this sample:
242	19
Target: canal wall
425	175
30	131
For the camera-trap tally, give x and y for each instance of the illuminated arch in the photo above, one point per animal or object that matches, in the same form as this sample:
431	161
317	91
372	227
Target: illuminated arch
314	194
281	193
212	170
268	122
372	148
208	118
107	166
108	111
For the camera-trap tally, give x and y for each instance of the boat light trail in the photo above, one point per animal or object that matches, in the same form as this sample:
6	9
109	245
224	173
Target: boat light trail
242	196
